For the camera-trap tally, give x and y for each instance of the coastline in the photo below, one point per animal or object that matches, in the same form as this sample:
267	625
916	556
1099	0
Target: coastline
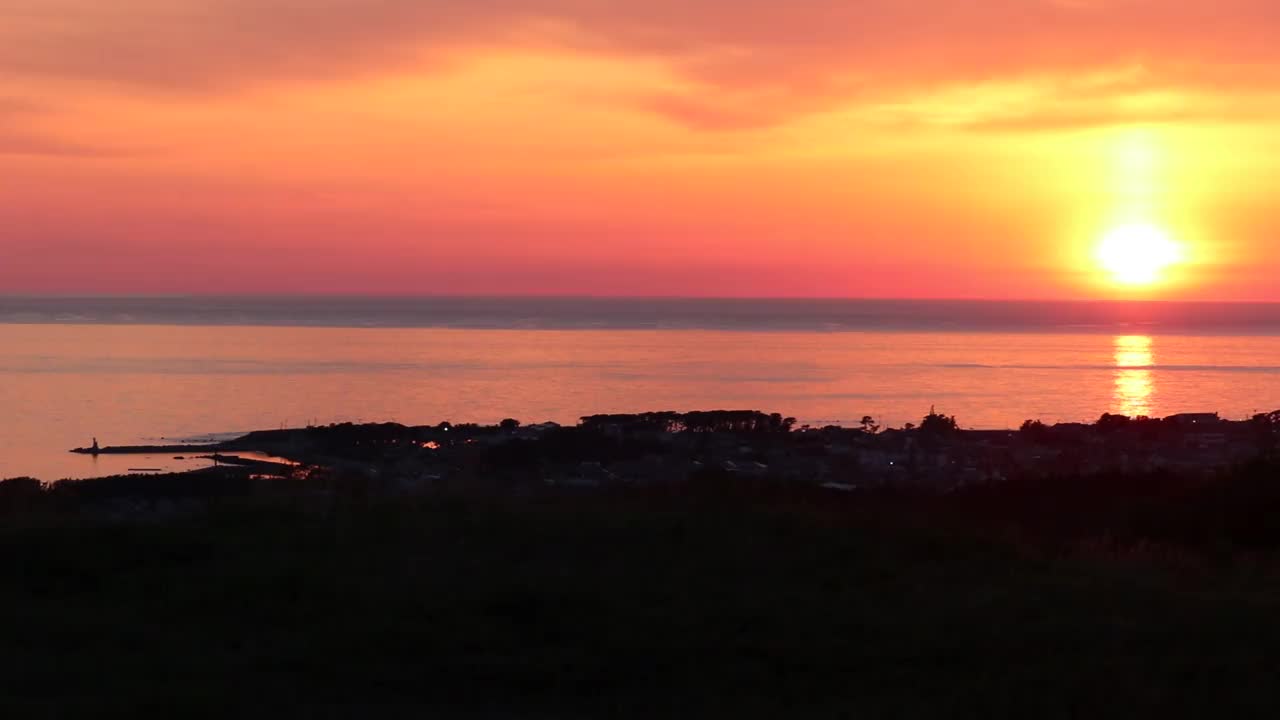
670	446
708	560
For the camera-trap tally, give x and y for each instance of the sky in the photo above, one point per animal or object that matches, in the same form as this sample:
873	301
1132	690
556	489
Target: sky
880	148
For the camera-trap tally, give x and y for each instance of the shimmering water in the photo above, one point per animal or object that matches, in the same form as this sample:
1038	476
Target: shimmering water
160	375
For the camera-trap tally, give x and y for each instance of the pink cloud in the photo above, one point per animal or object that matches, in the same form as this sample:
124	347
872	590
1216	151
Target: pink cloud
749	61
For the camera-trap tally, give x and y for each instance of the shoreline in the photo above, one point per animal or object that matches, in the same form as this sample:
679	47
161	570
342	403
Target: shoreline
672	446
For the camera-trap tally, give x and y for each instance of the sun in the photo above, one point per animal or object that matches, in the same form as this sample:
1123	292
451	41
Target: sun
1137	254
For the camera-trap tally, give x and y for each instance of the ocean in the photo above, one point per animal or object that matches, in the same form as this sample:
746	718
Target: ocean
150	370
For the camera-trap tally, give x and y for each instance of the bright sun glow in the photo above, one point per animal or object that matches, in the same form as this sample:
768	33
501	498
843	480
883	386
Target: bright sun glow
1137	254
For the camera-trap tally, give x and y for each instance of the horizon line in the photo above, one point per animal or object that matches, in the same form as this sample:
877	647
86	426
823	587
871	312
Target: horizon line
598	297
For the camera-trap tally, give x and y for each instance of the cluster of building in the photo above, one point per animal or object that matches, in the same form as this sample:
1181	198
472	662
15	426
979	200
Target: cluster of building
660	448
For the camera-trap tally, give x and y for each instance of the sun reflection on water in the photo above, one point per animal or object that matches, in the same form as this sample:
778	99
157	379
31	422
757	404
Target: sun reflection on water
1135	384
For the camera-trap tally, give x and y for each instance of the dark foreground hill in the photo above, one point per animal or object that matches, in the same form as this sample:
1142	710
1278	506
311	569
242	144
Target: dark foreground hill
765	603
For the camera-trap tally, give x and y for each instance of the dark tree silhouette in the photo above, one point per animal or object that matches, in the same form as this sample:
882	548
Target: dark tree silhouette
1034	430
1111	423
936	423
709	421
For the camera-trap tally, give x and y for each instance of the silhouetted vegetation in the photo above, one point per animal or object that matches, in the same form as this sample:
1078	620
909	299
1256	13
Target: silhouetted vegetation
729	421
937	424
1034	428
1053	598
210	484
20	495
657	565
1111	423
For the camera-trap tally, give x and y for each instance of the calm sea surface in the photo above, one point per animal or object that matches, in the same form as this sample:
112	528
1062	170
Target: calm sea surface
152	370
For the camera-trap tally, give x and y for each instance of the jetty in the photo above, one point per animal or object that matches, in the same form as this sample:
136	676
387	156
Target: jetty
148	449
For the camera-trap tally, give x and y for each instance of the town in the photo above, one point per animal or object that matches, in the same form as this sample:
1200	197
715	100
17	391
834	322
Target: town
698	552
672	447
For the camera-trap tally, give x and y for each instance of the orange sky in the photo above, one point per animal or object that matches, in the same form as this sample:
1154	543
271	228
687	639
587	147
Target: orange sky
936	148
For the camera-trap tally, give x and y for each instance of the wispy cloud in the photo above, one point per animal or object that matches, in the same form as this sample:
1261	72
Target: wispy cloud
12	106
746	62
17	115
16	142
